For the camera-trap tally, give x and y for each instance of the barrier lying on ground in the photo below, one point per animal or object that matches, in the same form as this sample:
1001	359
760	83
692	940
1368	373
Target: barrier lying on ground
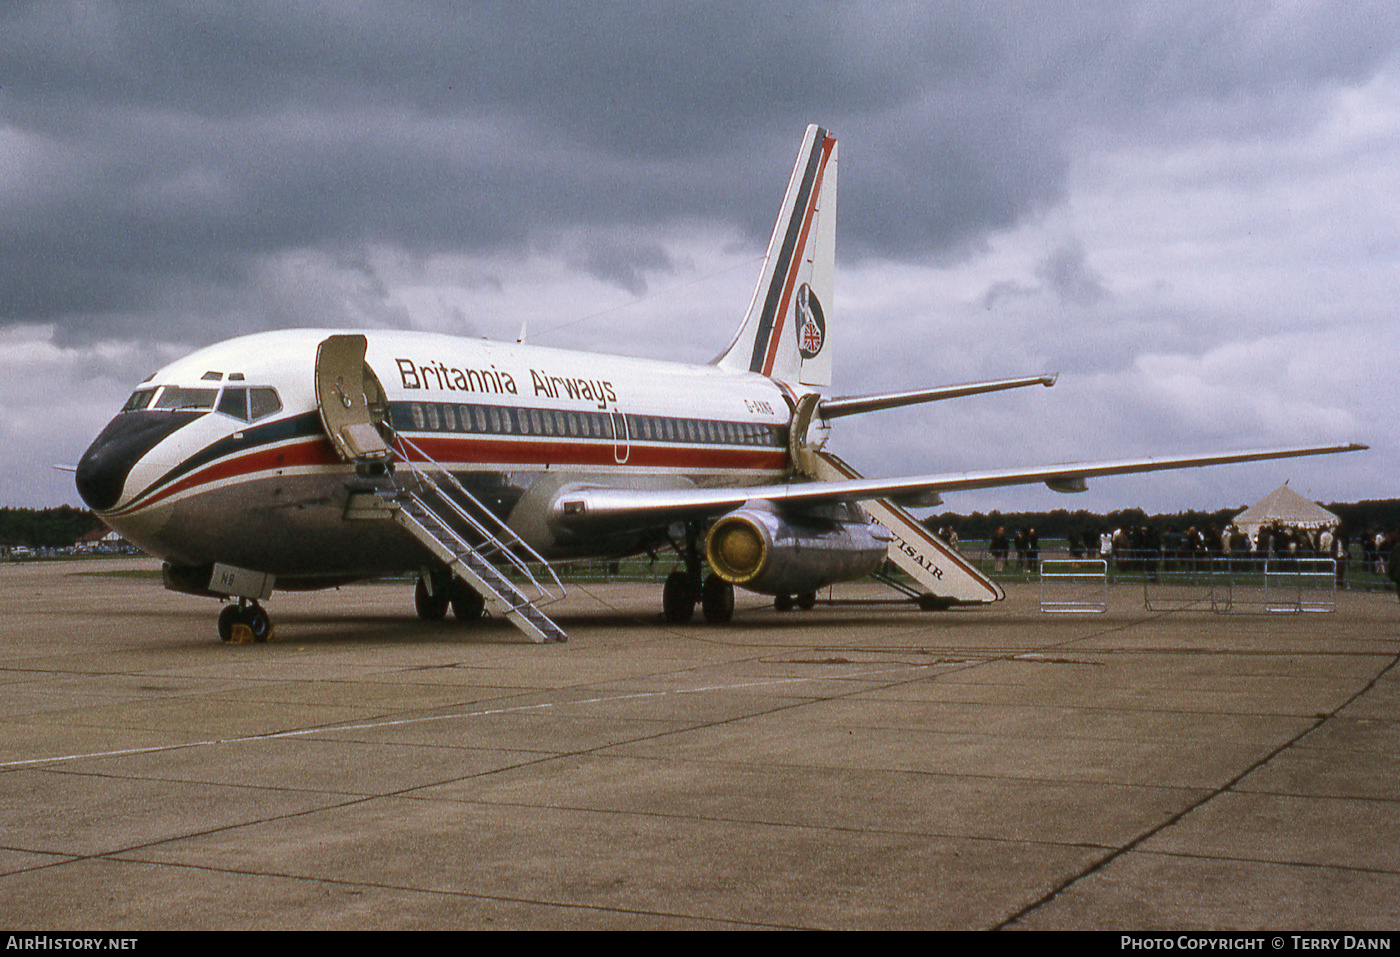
1273	585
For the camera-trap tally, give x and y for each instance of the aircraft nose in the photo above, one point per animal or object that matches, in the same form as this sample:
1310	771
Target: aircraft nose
104	467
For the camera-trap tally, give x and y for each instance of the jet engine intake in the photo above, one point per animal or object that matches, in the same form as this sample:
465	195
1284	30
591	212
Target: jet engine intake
757	548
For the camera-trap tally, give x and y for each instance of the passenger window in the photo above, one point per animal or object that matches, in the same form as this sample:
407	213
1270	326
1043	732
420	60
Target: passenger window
262	403
234	402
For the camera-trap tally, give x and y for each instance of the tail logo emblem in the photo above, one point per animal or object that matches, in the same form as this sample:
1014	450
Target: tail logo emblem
811	324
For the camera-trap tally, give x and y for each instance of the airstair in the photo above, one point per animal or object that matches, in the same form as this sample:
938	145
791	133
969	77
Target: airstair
425	498
433	506
947	578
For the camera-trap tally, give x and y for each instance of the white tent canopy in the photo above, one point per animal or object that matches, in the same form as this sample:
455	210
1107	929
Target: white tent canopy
1285	507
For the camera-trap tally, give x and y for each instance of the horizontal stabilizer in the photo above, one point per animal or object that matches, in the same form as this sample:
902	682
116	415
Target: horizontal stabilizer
856	404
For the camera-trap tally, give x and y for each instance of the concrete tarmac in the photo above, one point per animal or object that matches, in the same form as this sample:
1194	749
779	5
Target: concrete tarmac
849	767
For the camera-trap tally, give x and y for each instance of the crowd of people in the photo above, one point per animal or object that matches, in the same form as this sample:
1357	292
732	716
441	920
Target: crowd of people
1026	543
1145	549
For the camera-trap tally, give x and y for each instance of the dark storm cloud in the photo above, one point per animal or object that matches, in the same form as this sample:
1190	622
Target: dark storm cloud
157	150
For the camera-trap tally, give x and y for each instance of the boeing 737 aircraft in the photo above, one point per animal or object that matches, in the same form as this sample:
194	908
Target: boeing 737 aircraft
308	458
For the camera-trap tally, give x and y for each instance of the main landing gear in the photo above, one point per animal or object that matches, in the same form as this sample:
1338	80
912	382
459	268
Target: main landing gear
807	600
684	588
432	598
680	594
249	614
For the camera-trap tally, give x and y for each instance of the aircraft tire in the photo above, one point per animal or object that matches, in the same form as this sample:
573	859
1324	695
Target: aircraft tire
429	607
934	603
467	605
677	598
717	600
229	617
782	602
259	622
807	600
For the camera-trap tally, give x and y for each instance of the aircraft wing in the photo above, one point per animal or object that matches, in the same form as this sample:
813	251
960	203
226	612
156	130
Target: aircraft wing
581	505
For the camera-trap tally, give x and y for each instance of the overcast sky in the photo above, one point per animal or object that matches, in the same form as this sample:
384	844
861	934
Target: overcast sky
1188	210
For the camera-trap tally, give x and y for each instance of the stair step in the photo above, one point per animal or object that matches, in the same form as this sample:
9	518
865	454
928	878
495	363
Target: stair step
452	547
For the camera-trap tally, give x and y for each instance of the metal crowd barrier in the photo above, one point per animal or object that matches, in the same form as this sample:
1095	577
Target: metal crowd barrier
1233	585
1073	585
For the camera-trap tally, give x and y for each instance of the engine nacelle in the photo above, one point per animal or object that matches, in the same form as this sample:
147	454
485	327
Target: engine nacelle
756	548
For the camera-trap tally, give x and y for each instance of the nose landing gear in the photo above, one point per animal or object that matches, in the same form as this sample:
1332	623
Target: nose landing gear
248	614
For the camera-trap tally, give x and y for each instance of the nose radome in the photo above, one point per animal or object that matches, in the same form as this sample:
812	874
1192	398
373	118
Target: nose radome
104	467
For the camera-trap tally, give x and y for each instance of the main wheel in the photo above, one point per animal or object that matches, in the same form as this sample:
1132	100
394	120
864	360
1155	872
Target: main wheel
467	605
678	598
782	602
807	600
430	607
717	600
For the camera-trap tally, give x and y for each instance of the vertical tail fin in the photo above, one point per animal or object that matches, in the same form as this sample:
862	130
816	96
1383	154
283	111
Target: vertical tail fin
784	334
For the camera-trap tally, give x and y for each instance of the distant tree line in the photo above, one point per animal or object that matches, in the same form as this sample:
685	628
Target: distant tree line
1060	523
62	526
45	527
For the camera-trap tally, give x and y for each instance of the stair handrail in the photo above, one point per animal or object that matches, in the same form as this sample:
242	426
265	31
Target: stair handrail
506	548
505	589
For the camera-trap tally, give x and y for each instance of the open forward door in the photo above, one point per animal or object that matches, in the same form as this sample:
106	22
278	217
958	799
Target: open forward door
350	400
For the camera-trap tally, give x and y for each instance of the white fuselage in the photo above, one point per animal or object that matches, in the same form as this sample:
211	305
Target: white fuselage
198	476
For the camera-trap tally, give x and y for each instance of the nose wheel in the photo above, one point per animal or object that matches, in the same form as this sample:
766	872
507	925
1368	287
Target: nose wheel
249	614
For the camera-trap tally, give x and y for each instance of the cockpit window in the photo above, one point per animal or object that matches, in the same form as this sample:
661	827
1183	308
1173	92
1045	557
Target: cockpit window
249	405
139	400
263	402
234	402
174	398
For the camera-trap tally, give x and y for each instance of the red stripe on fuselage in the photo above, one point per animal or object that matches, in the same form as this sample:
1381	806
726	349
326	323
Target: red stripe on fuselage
469	451
562	453
317	451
